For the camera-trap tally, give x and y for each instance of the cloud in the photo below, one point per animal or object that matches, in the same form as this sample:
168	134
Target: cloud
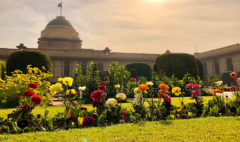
127	25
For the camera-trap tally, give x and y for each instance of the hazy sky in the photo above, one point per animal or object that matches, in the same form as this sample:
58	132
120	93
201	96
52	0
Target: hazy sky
136	26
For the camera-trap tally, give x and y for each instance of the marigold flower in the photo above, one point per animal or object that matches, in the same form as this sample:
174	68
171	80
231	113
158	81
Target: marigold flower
121	96
233	75
163	87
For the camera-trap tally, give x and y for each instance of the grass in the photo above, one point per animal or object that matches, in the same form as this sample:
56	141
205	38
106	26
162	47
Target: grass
201	129
54	109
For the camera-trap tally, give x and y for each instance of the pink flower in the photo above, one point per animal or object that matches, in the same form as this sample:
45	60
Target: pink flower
189	85
196	86
238	79
104	94
124	112
133	80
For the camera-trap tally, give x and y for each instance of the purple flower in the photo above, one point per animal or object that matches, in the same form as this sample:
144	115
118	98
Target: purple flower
133	80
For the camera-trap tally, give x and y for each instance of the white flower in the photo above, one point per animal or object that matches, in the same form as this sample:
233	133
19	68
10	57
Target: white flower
82	88
219	83
219	94
228	98
121	96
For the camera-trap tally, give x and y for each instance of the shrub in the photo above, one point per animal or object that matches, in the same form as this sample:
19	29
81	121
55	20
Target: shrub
133	73
19	60
226	77
178	64
142	69
2	69
17	84
200	68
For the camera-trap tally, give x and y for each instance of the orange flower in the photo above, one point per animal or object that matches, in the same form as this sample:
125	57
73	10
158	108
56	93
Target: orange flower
214	91
143	87
70	113
74	103
163	88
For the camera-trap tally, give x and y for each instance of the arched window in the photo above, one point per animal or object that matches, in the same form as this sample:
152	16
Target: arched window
84	67
205	69
66	68
100	66
229	64
216	66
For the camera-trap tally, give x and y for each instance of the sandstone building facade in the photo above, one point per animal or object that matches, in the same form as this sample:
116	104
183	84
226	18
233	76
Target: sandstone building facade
61	42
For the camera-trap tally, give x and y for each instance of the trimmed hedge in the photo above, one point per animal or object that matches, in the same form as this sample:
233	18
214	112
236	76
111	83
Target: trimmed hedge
212	76
142	69
21	59
2	69
226	77
178	64
133	73
200	68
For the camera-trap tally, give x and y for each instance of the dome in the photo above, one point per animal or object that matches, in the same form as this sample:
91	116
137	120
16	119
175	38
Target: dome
60	21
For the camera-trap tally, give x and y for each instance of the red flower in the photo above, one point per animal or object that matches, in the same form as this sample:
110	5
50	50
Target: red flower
87	121
22	123
39	116
233	74
83	108
105	82
96	96
161	95
100	81
28	93
94	115
102	87
36	100
104	94
19	97
33	85
168	99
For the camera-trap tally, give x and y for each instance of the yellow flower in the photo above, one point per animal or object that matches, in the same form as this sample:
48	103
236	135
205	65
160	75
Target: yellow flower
149	83
60	79
80	121
117	86
176	91
121	96
72	92
136	90
192	102
67	81
111	102
182	106
43	68
3	101
58	87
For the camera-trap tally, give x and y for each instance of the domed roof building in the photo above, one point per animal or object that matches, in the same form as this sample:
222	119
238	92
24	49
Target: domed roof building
58	34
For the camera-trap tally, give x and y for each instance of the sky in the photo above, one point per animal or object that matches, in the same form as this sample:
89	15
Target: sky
132	26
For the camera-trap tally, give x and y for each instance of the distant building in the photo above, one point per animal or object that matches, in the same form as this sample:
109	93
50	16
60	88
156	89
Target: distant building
61	42
220	60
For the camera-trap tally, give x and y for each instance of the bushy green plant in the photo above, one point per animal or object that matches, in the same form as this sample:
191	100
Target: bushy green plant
142	69
21	59
178	64
226	78
2	69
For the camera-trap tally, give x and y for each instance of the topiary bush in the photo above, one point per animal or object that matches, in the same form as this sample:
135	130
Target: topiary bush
2	69
21	59
200	68
133	73
142	69
178	64
226	77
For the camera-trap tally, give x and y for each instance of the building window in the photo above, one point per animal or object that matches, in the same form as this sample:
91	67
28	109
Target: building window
229	64
100	66
216	66
84	67
205	68
66	68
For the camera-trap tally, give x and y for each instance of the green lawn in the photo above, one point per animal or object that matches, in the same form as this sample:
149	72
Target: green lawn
200	129
225	129
53	109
